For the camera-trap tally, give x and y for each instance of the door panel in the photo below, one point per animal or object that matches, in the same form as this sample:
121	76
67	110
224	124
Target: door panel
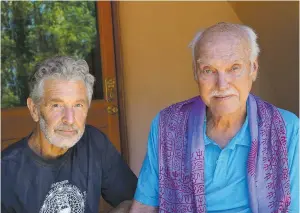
17	123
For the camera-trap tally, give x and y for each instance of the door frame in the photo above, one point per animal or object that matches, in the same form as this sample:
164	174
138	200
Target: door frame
120	80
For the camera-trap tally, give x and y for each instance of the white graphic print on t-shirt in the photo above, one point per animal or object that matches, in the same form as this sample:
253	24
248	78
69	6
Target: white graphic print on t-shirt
64	197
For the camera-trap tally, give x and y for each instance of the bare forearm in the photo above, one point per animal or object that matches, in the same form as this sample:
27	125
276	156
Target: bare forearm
138	208
122	207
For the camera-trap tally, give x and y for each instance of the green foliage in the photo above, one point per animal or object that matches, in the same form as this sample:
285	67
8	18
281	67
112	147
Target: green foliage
32	31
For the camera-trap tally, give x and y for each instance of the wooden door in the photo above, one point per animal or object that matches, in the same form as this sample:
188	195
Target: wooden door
16	121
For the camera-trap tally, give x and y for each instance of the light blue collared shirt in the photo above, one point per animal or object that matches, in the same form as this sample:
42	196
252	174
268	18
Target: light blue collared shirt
226	187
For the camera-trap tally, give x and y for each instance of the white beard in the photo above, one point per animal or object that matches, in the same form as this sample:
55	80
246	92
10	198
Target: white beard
57	140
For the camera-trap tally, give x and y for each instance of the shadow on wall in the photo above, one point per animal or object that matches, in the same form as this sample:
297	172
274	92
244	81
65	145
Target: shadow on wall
277	25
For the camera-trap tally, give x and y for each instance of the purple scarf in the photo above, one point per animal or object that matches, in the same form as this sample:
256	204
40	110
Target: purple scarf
181	158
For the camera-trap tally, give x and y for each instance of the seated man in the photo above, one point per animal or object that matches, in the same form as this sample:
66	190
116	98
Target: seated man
225	150
64	165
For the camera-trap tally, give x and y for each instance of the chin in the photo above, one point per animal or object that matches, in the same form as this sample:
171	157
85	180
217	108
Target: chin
223	110
226	107
64	143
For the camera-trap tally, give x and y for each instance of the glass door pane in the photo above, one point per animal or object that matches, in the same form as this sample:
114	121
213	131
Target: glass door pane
32	31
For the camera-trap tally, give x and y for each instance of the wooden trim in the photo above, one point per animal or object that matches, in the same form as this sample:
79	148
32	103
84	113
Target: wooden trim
104	16
120	80
106	38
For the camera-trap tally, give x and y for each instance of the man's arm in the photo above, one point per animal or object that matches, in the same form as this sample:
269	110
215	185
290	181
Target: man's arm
118	181
122	207
292	128
146	198
138	208
293	157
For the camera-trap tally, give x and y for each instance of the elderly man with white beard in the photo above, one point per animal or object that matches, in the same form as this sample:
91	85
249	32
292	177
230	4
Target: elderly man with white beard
64	165
225	150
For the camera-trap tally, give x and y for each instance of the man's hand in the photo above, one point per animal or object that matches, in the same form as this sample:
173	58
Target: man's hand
137	207
122	207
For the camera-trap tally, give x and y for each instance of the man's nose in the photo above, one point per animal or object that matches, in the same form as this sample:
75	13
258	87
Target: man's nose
68	117
222	81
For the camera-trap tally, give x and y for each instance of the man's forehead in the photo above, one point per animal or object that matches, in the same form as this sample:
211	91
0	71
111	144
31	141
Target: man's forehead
219	37
56	88
223	49
220	60
228	56
222	39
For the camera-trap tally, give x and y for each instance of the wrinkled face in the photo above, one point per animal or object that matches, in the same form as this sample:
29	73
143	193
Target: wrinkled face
63	111
225	74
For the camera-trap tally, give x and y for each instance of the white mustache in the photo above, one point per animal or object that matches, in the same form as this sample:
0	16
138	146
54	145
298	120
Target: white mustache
66	128
216	93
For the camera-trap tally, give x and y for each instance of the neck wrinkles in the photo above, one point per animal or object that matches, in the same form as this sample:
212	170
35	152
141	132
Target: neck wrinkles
39	144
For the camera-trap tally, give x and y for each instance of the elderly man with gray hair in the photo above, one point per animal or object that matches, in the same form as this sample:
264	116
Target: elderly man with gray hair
64	165
225	150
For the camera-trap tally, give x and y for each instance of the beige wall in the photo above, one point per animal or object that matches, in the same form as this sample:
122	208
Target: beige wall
277	24
157	61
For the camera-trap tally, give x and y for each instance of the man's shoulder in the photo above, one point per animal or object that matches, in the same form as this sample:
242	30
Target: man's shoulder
11	159
178	105
292	127
95	137
94	132
13	152
290	119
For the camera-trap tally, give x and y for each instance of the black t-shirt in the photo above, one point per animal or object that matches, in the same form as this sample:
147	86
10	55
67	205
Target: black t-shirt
72	183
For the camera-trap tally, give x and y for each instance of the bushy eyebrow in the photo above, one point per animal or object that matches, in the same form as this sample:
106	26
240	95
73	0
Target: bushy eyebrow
236	62
58	100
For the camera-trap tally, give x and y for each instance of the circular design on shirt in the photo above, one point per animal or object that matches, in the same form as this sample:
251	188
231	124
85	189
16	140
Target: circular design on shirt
64	197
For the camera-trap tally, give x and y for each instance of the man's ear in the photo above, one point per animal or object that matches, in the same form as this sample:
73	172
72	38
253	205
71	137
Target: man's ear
33	109
195	72
254	70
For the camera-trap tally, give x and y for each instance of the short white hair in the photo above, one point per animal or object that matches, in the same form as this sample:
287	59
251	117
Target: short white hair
252	38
